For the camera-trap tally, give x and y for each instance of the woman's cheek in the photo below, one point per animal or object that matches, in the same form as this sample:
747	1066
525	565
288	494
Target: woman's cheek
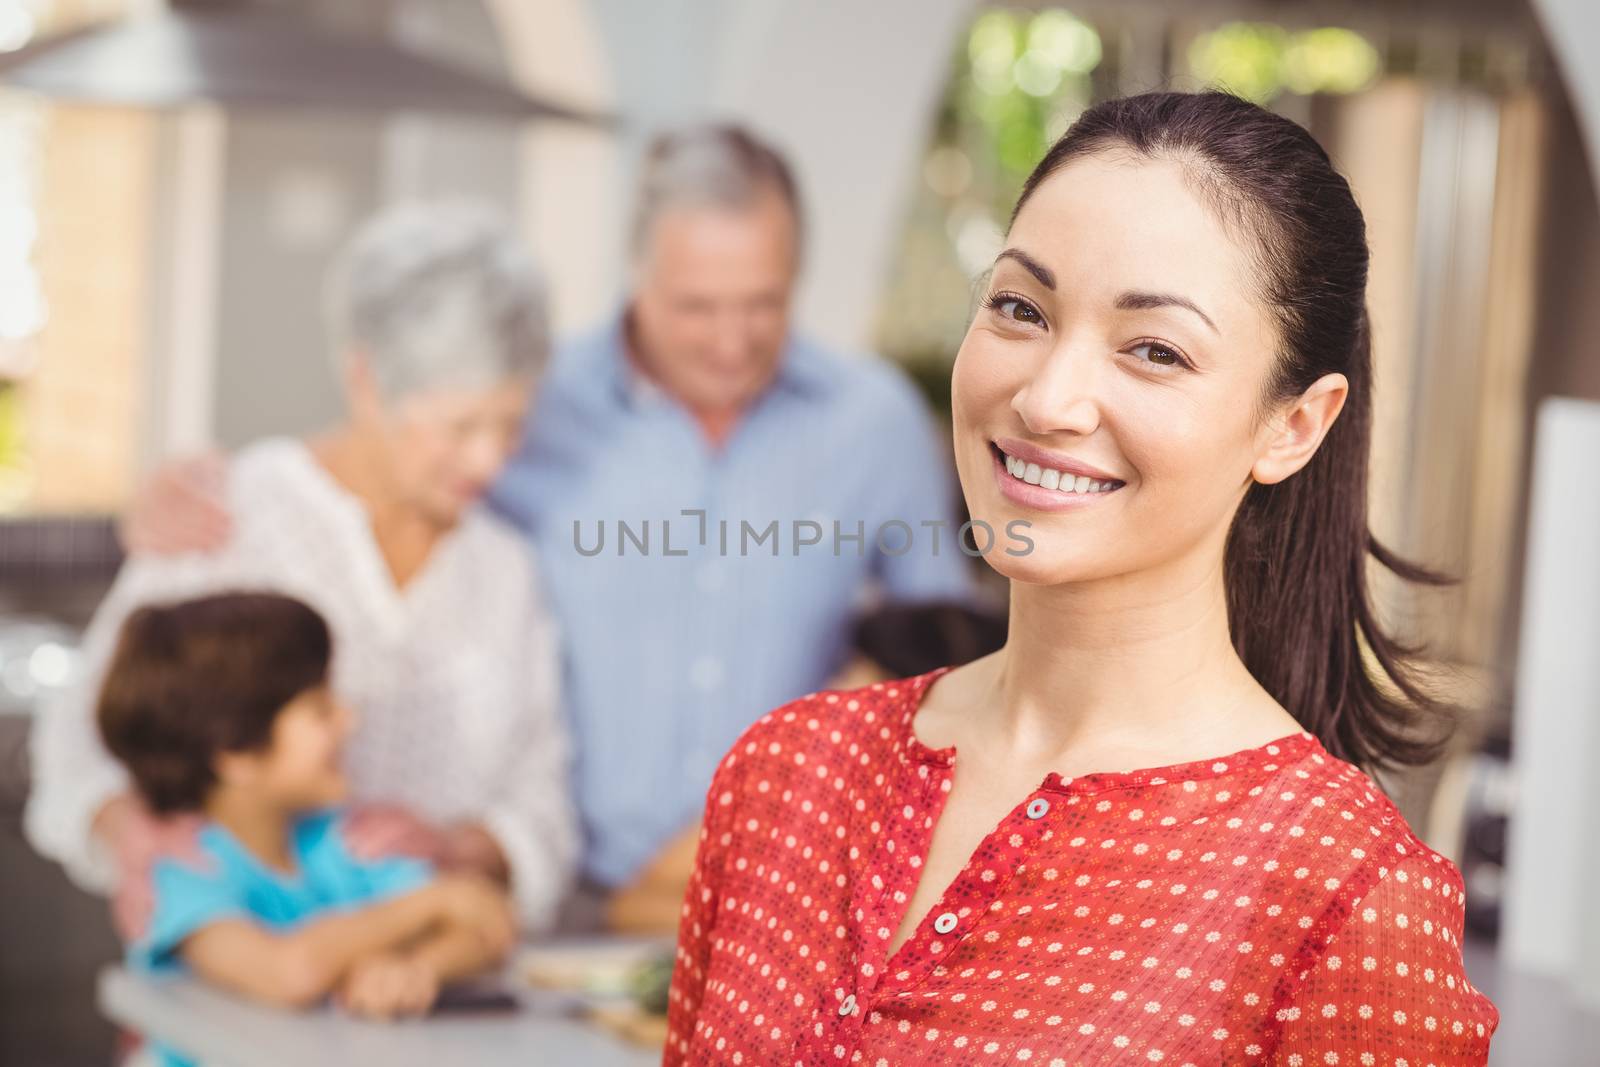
1184	489
981	390
984	368
1161	430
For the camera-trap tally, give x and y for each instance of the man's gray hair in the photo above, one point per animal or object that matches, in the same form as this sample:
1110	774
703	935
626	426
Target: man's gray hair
439	293
714	165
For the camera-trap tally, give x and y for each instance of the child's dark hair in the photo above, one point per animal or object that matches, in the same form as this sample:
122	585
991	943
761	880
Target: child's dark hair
1299	600
192	680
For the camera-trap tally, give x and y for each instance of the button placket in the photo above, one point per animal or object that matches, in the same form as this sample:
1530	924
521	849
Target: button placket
970	893
871	900
833	1027
927	783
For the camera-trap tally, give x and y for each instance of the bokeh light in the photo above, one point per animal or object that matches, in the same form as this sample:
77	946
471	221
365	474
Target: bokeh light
22	305
1036	55
992	49
948	171
1330	60
1245	58
1064	41
1258	60
17	24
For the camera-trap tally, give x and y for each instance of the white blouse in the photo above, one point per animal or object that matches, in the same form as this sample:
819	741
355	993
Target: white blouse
454	676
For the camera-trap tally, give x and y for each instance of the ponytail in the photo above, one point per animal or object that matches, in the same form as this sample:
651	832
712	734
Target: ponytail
1300	604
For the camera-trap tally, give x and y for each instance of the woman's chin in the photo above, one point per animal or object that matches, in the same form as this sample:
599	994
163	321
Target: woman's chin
445	507
1039	565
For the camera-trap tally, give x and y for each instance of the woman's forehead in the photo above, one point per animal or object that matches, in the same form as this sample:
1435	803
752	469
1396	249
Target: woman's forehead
1118	223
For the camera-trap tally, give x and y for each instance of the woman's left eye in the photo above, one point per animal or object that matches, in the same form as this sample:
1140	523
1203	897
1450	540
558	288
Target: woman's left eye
1019	310
1160	354
1014	309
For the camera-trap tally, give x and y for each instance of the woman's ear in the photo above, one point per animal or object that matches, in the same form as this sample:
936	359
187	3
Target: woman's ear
361	386
1292	435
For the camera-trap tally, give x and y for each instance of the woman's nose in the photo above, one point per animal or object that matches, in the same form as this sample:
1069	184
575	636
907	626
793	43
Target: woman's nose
1062	395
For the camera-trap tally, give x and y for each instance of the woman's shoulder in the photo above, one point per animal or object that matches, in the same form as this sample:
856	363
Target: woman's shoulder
1337	820
861	722
873	709
1390	902
278	455
271	474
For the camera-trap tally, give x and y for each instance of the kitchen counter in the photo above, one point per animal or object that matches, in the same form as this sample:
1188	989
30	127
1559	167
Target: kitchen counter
222	1031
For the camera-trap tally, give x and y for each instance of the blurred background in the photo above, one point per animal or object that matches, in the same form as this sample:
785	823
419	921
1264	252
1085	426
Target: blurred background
160	259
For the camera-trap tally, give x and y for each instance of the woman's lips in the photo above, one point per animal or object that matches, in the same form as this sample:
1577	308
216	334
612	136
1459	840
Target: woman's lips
1036	493
1047	459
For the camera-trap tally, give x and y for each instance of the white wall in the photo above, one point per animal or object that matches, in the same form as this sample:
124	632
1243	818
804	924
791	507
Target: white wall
1573	29
569	176
1552	927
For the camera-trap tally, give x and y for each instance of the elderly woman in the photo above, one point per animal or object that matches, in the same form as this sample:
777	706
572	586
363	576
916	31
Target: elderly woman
442	643
1138	832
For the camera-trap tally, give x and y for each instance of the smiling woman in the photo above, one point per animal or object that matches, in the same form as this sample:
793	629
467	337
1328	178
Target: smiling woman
1213	416
1157	844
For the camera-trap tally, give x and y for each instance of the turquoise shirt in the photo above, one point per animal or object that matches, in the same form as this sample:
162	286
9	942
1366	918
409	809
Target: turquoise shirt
228	882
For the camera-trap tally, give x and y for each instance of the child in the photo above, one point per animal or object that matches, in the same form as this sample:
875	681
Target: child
220	707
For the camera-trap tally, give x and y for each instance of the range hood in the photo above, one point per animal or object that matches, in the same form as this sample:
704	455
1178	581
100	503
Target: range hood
243	54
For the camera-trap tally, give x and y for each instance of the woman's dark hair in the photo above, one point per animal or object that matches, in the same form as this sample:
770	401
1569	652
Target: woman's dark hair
1299	606
192	680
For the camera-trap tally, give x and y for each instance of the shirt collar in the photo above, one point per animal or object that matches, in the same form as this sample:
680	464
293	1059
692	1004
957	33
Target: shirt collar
802	369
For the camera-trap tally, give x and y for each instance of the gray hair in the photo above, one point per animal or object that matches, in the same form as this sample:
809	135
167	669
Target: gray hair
439	293
715	165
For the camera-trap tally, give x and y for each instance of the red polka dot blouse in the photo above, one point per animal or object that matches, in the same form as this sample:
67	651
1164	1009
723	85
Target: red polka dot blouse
1270	906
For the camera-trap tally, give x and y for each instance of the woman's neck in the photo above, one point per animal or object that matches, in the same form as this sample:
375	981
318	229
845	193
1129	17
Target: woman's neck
1140	666
404	536
262	829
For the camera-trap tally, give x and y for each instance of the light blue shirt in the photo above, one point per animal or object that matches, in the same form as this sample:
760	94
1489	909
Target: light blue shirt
681	630
227	881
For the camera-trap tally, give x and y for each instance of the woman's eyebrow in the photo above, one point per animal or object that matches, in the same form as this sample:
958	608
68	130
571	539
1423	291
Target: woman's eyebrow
1046	277
1134	300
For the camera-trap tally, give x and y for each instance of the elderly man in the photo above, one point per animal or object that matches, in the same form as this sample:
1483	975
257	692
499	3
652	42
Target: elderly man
712	497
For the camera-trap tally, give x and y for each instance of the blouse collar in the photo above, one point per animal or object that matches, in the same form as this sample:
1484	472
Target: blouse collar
1270	756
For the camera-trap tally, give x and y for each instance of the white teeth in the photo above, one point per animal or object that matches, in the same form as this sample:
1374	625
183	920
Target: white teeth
1049	478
